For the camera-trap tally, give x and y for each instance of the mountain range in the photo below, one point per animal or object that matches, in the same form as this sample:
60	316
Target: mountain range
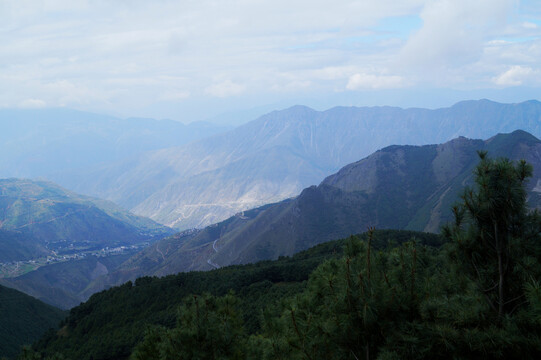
42	142
45	219
62	247
277	155
399	187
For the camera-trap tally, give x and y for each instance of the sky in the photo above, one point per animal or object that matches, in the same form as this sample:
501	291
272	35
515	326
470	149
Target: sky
228	61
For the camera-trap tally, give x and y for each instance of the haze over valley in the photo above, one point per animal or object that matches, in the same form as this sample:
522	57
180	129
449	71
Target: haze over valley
266	160
270	180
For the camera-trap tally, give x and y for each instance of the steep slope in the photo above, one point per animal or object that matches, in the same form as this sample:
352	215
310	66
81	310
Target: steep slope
404	187
279	154
43	142
111	322
23	320
54	221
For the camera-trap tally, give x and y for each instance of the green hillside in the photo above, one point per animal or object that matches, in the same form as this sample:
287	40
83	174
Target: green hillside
18	246
62	222
23	320
50	239
112	322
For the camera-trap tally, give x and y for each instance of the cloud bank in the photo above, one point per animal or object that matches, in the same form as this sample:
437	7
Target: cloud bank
133	56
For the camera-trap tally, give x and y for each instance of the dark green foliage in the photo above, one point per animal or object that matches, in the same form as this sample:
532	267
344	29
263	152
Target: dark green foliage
496	238
356	306
112	322
409	302
406	302
23	320
413	301
208	328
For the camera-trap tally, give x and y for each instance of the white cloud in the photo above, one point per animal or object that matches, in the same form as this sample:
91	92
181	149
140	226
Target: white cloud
517	75
529	25
225	89
123	56
454	32
32	104
370	81
333	72
292	86
175	95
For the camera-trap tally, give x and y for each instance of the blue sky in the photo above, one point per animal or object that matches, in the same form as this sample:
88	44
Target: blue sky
192	60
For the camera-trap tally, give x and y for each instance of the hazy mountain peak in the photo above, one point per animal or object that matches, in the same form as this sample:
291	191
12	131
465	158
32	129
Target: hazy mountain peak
531	102
515	136
280	153
299	109
399	187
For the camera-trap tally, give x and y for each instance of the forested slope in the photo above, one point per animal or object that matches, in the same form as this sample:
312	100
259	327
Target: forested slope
23	320
112	322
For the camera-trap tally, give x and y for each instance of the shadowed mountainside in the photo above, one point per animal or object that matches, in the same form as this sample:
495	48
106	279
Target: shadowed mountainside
23	320
400	187
276	156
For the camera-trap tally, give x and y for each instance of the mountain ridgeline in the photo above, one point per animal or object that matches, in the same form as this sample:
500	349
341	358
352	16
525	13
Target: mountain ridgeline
399	187
385	294
277	155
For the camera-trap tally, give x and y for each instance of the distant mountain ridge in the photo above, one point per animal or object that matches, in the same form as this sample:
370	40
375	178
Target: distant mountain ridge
54	242
39	218
277	155
399	187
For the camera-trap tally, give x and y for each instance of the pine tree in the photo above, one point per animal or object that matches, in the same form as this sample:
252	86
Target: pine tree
495	235
208	328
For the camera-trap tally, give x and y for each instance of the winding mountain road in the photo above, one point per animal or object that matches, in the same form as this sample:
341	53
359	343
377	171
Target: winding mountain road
209	261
